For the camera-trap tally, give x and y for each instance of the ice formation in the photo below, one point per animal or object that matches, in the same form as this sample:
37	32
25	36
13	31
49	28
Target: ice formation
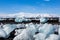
7	29
18	31
40	36
20	25
53	37
43	20
27	34
59	30
47	29
18	19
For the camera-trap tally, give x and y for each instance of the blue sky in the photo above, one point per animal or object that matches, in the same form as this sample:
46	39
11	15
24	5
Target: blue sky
30	6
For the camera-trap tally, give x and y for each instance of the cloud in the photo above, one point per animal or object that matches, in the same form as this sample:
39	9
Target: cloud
47	0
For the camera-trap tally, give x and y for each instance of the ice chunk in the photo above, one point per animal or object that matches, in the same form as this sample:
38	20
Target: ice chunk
50	29
18	19
31	27
47	29
9	28
1	25
53	37
37	26
18	31
2	33
59	30
27	34
20	26
56	27
40	36
41	29
43	20
24	36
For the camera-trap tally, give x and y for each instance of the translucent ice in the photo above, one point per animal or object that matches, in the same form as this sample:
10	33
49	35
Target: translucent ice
7	29
59	30
27	34
18	19
43	20
53	37
40	36
18	31
20	25
41	29
2	33
47	29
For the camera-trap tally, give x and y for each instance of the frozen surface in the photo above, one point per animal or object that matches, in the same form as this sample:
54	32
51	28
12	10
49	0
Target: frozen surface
7	29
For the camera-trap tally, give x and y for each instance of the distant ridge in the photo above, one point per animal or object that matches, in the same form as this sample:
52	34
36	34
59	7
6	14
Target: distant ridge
22	14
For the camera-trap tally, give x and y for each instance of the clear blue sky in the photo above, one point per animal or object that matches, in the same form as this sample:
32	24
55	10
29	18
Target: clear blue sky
30	6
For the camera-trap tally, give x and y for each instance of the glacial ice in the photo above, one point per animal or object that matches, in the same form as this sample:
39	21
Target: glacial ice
18	31
40	36
47	29
43	20
53	37
7	29
59	30
27	34
2	33
18	19
20	25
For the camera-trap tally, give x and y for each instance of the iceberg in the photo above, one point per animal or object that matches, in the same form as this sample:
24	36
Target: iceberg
43	20
18	31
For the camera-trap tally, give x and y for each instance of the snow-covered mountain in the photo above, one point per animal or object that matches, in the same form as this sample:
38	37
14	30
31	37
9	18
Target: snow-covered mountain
22	14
